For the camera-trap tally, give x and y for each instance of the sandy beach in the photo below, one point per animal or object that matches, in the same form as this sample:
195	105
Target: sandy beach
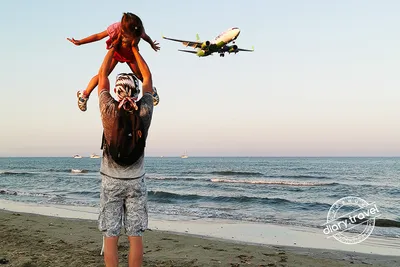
39	240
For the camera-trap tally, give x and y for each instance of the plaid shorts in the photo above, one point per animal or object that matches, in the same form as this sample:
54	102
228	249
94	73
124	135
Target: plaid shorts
123	201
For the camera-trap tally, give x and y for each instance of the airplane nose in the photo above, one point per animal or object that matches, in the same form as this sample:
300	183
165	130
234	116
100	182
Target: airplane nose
237	32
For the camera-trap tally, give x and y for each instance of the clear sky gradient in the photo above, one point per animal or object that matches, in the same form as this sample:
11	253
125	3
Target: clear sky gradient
323	80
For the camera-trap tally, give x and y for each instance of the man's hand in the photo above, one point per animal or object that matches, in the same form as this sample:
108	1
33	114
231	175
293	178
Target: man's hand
135	42
155	45
75	42
117	41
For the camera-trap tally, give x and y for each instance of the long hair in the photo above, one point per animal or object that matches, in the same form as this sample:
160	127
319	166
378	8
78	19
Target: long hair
131	25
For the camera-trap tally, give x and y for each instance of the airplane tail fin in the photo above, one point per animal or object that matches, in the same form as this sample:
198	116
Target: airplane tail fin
198	37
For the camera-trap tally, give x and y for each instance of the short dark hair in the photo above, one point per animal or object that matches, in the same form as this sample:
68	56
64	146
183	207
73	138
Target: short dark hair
127	85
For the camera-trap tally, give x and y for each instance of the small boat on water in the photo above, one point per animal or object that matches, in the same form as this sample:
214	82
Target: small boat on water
94	156
185	155
77	156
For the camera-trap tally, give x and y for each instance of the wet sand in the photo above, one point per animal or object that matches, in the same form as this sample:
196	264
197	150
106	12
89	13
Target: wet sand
38	240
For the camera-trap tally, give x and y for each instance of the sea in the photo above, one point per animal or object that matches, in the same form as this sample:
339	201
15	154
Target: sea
281	191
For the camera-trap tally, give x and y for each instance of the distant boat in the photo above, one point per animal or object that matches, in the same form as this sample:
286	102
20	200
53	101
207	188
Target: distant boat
185	155
77	156
94	156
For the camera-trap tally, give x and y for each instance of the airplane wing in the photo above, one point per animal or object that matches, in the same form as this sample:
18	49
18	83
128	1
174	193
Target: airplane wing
188	51
233	49
186	43
246	50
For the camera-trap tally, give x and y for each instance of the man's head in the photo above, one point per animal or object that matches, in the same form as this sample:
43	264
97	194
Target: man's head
126	86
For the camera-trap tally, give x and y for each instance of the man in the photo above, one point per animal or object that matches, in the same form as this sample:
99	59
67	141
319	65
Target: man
123	197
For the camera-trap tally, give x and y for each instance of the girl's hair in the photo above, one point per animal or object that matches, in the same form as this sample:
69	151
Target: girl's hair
131	25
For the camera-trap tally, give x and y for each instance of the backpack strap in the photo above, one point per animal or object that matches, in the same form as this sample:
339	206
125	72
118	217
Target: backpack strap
103	139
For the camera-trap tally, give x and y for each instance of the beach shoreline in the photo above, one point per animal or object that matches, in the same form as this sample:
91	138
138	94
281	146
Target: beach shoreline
220	237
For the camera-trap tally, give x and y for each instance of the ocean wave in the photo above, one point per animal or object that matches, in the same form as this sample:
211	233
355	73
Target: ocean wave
236	173
169	197
289	183
386	188
299	176
8	192
255	174
223	173
378	222
298	168
177	179
242	181
193	173
20	193
90	194
79	171
387	223
13	173
72	170
162	195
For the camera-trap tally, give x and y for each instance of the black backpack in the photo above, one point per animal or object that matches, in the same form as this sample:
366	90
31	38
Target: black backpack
127	139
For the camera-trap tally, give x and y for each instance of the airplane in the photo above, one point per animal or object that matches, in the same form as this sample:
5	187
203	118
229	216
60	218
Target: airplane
218	45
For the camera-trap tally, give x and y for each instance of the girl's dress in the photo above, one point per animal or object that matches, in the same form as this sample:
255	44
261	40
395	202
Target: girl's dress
123	54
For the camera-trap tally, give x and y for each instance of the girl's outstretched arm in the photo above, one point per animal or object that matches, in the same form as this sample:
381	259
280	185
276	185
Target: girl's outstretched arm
92	38
154	44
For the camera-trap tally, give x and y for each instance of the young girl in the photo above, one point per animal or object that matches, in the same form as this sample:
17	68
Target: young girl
123	33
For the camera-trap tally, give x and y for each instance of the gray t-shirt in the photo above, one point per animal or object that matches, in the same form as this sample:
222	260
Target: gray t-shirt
109	111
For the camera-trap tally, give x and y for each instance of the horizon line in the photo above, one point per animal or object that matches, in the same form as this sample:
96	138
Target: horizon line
217	156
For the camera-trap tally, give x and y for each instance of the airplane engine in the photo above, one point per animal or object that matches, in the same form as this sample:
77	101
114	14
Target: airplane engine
233	49
205	45
201	53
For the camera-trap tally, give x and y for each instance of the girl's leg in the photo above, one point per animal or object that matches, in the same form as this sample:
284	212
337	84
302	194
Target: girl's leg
95	80
84	96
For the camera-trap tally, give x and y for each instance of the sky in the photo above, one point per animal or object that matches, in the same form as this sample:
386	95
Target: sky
323	79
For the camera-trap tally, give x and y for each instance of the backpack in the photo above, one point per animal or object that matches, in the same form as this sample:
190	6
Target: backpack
127	139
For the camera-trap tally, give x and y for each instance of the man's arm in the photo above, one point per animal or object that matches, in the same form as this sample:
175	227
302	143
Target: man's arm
104	83
147	84
92	38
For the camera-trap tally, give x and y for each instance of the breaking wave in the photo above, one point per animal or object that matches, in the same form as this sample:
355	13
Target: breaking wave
289	183
169	197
